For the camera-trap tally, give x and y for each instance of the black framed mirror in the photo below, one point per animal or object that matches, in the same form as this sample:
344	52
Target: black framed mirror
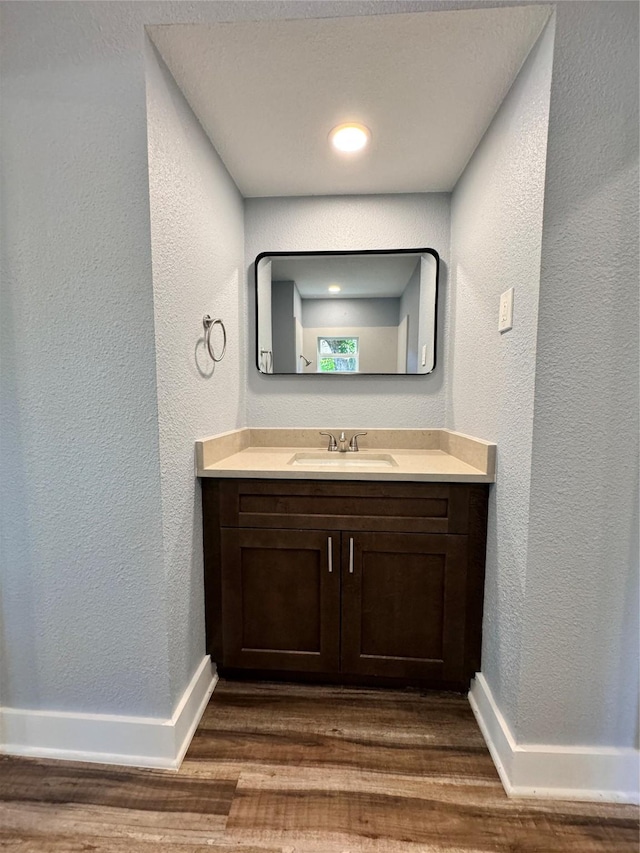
347	313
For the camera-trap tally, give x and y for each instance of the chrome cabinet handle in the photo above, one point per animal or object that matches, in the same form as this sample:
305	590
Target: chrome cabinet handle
330	554
350	555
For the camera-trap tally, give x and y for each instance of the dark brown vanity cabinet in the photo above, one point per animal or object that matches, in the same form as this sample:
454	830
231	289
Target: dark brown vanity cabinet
353	582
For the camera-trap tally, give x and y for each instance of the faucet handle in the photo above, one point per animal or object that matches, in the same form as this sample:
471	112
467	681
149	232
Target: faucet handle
333	444
353	444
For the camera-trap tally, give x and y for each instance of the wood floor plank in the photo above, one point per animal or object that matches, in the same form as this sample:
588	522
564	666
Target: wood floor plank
63	819
37	843
353	818
398	715
451	792
278	768
64	782
397	731
331	779
320	750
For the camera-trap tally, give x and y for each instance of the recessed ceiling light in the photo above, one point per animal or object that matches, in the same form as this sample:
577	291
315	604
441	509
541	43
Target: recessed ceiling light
350	137
334	288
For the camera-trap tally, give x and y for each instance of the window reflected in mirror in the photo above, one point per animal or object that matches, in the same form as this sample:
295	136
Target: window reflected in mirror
337	355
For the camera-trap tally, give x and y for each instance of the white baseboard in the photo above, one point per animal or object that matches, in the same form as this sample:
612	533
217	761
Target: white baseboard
546	770
109	738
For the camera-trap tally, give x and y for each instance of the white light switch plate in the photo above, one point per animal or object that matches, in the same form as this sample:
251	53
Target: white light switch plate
505	319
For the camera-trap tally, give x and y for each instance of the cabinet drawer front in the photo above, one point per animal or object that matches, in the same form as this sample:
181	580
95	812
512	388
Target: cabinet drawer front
281	599
403	605
394	507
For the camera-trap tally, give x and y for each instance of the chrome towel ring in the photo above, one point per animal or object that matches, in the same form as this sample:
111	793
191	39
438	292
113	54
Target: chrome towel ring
208	324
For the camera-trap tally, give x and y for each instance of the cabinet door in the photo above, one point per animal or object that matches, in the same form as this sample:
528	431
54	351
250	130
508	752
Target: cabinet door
403	605
281	599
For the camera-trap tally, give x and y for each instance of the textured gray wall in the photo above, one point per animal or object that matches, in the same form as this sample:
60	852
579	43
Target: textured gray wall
83	587
197	238
350	312
496	228
348	222
561	617
579	680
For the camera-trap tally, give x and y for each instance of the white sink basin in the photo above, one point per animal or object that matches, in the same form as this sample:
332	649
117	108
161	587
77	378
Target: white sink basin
362	459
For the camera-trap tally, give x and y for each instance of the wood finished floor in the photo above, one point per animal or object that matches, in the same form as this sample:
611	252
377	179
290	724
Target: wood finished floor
295	769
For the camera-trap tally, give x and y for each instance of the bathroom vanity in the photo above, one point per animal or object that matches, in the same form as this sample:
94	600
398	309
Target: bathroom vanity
346	570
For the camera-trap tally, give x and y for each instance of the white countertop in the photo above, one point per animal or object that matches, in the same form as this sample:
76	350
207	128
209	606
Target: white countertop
419	465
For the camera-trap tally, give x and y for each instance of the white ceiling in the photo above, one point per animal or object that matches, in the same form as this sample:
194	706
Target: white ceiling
427	85
361	276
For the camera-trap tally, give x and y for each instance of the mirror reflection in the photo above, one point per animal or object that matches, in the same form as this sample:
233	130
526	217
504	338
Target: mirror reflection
347	313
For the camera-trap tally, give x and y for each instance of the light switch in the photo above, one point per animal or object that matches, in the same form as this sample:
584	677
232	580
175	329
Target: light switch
505	319
424	355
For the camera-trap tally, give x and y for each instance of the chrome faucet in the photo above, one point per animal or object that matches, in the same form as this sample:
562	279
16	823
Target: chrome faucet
340	446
